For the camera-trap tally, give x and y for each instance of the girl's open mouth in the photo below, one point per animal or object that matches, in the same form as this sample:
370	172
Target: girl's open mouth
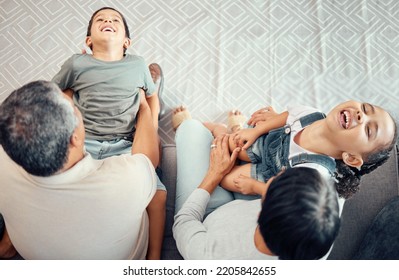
345	119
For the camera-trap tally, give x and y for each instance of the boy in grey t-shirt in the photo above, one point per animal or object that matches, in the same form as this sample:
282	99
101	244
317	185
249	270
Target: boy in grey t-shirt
105	87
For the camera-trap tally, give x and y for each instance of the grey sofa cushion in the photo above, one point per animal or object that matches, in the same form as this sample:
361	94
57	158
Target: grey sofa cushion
382	238
168	165
376	189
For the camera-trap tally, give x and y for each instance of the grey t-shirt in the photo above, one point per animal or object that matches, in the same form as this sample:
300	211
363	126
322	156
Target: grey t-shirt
226	233
106	92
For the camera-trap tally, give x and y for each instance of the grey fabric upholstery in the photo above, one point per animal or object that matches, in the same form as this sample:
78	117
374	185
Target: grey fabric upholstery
168	165
376	189
382	241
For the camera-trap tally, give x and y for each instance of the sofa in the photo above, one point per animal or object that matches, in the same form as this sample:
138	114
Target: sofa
376	191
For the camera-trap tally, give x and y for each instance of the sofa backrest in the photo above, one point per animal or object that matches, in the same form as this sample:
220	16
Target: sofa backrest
376	189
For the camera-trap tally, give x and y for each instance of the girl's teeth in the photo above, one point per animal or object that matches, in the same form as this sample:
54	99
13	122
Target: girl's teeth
346	119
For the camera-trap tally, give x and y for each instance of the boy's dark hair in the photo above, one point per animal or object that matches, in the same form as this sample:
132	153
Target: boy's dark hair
348	178
127	32
300	215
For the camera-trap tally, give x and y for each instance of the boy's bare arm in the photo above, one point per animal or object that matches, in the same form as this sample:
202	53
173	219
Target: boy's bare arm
146	137
153	102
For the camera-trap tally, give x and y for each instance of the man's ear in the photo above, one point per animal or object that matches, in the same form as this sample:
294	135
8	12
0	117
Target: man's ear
127	43
75	140
352	160
88	41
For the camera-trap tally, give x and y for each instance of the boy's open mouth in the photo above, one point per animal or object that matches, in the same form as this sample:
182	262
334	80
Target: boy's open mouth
345	119
107	29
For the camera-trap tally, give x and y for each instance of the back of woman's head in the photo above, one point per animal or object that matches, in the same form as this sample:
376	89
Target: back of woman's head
36	123
300	215
348	178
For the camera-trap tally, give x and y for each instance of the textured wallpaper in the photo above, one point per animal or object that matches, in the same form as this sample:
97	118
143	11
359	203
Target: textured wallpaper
222	55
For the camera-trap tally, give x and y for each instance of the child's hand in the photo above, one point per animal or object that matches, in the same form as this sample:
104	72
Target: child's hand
262	115
244	138
245	184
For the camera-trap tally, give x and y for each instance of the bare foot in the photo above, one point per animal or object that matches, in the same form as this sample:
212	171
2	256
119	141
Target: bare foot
217	129
179	115
236	121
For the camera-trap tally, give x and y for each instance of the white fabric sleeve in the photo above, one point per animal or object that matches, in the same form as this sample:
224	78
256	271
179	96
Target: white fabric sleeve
296	112
147	172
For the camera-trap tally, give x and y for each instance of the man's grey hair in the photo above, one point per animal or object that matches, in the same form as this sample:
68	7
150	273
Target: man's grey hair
36	124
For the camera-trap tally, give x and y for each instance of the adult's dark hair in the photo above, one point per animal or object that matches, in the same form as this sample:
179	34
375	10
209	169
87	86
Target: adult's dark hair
348	178
300	215
127	32
36	124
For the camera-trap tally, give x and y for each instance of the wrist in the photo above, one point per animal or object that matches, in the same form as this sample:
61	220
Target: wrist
144	106
211	181
259	130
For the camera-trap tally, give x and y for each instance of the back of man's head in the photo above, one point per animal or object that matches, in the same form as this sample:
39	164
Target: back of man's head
36	123
300	215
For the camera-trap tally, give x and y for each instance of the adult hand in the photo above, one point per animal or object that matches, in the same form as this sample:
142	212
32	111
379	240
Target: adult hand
221	162
262	115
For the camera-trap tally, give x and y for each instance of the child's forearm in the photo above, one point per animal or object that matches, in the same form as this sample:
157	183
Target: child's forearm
153	102
146	138
278	121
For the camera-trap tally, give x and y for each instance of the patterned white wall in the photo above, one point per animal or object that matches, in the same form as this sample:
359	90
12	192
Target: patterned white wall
219	55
